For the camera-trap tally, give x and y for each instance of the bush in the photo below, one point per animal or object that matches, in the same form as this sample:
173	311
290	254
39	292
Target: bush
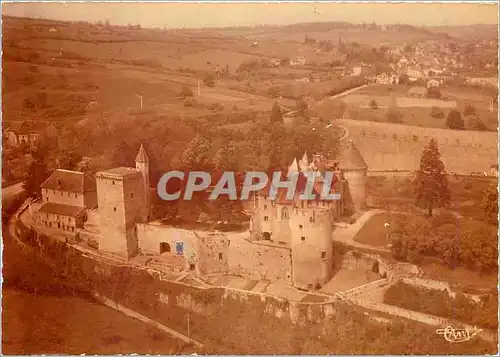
469	110
186	92
190	102
273	92
393	116
433	92
216	107
209	80
475	123
454	120
437	112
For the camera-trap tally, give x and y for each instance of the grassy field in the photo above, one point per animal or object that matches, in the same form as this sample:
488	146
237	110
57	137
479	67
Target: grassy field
374	231
417	111
40	324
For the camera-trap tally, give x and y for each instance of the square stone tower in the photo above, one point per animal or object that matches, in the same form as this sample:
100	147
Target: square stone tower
122	203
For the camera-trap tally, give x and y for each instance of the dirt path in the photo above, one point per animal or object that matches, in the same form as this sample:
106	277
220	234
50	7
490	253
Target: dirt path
346	235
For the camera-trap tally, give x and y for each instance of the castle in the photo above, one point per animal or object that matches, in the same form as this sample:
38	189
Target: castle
289	239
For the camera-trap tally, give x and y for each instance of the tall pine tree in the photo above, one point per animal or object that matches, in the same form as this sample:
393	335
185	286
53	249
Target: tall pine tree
431	184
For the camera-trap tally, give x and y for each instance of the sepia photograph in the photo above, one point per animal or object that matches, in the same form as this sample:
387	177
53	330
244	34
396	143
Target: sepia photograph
245	178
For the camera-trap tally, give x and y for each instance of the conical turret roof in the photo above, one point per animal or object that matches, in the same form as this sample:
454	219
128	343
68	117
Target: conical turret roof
141	156
294	167
350	158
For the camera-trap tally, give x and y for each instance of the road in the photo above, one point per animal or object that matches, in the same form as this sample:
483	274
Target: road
12	190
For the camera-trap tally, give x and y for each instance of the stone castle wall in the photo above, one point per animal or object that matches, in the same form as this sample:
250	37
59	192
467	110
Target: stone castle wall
389	147
259	260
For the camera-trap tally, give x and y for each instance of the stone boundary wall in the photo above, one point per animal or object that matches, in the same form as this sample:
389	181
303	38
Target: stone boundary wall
365	288
280	308
437	285
427	319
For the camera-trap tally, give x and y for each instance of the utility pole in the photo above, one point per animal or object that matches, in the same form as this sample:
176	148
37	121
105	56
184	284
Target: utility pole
140	98
189	329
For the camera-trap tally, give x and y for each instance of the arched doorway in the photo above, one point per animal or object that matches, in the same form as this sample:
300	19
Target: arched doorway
164	247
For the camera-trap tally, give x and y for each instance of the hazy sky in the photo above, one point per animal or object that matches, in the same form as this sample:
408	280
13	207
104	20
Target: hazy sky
233	14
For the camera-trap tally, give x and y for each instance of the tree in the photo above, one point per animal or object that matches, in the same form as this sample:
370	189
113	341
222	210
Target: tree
394	116
490	204
433	92
123	155
226	158
373	104
186	92
431	184
37	172
209	80
68	160
404	79
196	155
469	110
477	124
454	120
301	106
276	114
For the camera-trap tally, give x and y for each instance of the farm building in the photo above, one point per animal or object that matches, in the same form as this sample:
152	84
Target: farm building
417	92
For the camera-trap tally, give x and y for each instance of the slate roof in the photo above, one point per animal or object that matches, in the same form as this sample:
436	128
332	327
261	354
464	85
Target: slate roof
142	156
27	127
69	181
60	209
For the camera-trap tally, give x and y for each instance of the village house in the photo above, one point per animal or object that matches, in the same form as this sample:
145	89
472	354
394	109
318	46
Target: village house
414	74
28	132
386	78
417	92
482	81
433	83
298	61
275	62
494	170
65	196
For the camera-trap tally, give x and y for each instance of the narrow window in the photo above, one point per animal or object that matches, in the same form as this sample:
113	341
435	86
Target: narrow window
220	256
266	218
113	182
323	255
302	239
265	206
114	209
300	226
132	195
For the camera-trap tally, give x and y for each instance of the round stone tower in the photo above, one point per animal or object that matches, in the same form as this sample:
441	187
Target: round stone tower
354	169
311	244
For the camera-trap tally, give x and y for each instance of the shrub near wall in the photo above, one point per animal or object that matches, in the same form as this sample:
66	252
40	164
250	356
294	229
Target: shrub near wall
439	303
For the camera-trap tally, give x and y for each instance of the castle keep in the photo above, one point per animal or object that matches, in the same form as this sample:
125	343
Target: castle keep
288	240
